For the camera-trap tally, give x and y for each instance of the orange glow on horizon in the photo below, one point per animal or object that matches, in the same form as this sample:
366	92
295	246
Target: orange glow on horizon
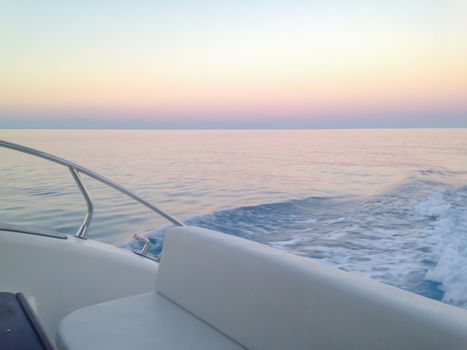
341	63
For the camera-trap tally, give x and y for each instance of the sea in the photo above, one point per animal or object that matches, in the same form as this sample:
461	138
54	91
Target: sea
389	204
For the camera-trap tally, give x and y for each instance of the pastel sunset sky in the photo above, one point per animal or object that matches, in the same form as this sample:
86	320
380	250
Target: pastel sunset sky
233	64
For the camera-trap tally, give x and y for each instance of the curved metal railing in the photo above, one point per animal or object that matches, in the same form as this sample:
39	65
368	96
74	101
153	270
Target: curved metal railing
75	171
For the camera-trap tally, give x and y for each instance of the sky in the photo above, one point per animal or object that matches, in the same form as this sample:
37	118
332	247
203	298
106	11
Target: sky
233	64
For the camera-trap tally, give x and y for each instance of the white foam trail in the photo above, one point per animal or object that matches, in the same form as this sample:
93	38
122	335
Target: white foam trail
413	237
290	242
451	229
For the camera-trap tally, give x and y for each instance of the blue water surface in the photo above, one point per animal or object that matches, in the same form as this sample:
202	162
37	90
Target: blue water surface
387	204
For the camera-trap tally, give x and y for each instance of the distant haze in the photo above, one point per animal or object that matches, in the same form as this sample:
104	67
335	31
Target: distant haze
233	64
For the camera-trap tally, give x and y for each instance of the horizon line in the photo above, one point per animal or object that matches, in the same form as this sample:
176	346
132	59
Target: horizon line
236	128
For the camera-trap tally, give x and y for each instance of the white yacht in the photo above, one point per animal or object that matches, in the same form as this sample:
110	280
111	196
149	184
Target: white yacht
207	290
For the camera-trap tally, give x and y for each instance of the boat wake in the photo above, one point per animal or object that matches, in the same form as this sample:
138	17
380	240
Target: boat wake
413	236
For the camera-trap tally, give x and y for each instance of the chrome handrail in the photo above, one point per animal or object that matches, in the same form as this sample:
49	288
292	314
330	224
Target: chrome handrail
31	230
83	229
75	170
144	250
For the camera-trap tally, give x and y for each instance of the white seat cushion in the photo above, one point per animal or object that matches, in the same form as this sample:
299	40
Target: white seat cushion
268	299
146	321
263	299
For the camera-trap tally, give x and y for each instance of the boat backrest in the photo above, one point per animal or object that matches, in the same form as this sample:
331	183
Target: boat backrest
265	298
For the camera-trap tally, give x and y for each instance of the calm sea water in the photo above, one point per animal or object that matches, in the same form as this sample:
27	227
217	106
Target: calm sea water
388	204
